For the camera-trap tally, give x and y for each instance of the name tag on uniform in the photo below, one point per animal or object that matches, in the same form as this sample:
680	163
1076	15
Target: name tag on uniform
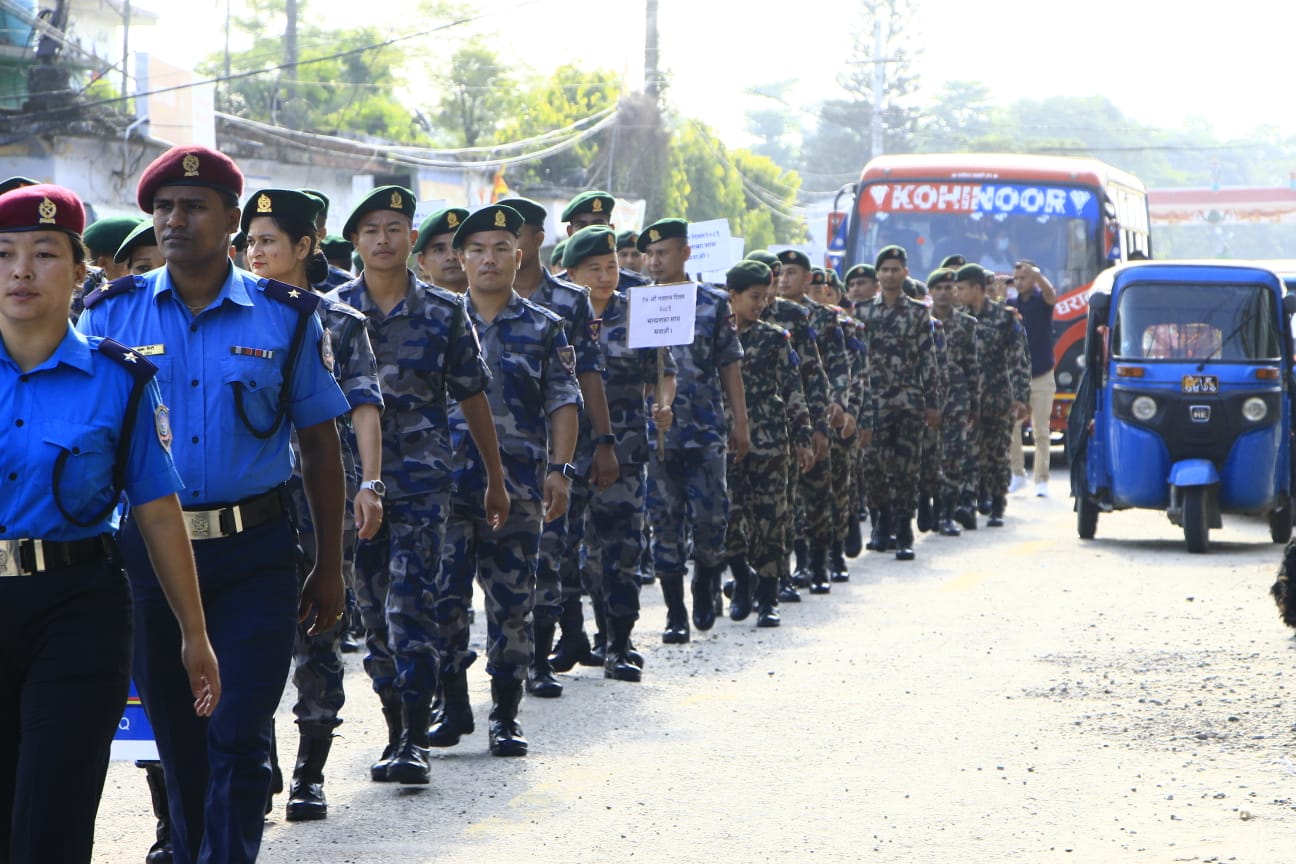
149	350
263	353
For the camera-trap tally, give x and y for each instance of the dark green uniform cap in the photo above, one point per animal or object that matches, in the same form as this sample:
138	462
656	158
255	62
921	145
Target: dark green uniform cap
749	272
587	242
973	273
239	242
818	276
142	236
323	199
627	240
589	202
533	212
861	271
446	221
11	183
795	256
495	217
290	205
396	198
833	281
556	256
892	253
662	229
939	275
105	236
336	246
953	262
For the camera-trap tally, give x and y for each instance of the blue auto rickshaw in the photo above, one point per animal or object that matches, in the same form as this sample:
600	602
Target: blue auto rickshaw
1184	402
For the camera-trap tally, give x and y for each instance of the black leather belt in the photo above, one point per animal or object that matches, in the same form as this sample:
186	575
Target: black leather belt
26	557
234	519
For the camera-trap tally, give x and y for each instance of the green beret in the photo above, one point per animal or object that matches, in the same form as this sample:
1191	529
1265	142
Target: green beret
662	229
495	217
446	221
323	199
766	257
533	213
973	273
587	242
939	275
11	183
336	246
795	256
357	263
396	198
953	262
818	276
556	256
749	272
142	236
861	271
239	242
105	236
834	282
892	253
627	240
589	202
290	205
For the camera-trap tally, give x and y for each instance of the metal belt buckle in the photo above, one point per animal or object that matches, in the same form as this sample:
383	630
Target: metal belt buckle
198	524
10	562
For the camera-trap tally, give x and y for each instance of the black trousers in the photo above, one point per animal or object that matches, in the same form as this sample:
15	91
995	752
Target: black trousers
65	656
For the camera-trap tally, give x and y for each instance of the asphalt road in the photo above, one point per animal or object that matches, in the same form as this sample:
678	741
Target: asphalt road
1013	695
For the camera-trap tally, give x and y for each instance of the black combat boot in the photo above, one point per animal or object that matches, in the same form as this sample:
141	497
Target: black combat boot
837	571
160	851
456	717
505	731
306	800
597	650
705	585
985	502
540	677
926	518
276	774
677	619
947	526
409	765
853	542
618	666
819	570
904	538
391	709
966	512
801	566
997	507
740	604
877	536
767	603
573	644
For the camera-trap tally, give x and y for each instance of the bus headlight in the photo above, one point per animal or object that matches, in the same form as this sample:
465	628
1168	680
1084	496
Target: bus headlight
1144	408
1065	378
1255	409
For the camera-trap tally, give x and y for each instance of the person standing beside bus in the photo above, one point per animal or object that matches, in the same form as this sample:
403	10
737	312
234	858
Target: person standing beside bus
1035	300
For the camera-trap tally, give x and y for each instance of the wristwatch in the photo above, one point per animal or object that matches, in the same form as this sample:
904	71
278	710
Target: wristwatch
609	439
377	487
566	469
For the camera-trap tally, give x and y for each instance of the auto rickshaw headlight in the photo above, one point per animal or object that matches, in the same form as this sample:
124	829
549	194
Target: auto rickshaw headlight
1255	409
1144	408
1065	378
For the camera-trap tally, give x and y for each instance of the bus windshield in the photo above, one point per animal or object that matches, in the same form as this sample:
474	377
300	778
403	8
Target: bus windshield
991	225
1162	321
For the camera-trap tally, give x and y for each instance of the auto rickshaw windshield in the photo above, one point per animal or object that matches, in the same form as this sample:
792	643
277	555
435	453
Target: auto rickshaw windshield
1220	322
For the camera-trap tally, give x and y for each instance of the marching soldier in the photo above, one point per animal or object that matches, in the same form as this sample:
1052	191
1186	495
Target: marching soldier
434	250
595	208
961	405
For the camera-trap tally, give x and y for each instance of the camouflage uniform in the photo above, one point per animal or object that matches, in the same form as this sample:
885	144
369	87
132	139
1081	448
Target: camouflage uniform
962	402
860	406
532	375
427	353
1005	367
317	660
930	475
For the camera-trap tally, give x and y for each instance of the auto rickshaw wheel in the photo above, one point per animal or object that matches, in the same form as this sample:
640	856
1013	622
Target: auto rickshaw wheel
1196	518
1086	517
1280	523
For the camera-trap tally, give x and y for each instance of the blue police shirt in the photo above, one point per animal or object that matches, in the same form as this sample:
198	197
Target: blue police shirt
242	338
75	403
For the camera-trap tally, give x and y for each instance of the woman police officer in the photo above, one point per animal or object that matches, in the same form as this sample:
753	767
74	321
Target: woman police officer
82	422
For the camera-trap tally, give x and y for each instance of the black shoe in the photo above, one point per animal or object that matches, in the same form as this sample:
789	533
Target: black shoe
704	586
997	507
904	538
949	529
925	516
618	665
853	542
819	570
677	625
742	585
838	572
965	514
787	593
456	717
505	732
391	709
540	677
767	603
984	505
877	534
946	525
352	641
160	852
573	645
409	765
306	801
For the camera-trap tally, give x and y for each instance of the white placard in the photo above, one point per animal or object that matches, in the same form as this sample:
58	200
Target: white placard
711	246
661	316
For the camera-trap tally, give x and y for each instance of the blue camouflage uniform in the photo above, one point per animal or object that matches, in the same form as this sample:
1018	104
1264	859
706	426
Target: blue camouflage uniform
532	375
427	354
222	373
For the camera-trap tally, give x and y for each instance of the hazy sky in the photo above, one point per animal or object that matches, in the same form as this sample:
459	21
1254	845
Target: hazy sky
1159	62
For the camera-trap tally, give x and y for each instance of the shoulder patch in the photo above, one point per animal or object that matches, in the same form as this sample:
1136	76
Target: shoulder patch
301	299
567	357
115	288
595	328
139	366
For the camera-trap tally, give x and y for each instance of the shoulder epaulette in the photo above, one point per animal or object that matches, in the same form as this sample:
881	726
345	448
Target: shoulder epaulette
131	360
124	285
543	311
301	299
633	278
342	308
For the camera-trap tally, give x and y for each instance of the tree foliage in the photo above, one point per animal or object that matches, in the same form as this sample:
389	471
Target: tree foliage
556	102
477	93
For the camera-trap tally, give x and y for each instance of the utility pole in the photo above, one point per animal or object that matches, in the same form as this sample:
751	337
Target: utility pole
652	79
290	61
879	80
125	63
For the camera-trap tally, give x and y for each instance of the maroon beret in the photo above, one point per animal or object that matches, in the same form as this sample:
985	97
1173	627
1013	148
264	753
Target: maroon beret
43	207
189	166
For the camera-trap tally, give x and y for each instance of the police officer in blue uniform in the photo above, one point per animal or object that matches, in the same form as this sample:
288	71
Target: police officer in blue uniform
243	363
83	422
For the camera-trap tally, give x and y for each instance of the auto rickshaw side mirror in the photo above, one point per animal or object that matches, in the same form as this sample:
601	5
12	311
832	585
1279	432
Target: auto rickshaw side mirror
1100	305
1289	305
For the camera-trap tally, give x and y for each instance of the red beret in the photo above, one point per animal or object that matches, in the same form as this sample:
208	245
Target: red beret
189	166
43	207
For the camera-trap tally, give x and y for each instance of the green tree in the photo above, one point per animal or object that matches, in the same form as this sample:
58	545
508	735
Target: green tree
565	97
477	94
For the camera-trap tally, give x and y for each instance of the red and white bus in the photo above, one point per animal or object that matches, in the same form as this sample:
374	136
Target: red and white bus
1072	217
